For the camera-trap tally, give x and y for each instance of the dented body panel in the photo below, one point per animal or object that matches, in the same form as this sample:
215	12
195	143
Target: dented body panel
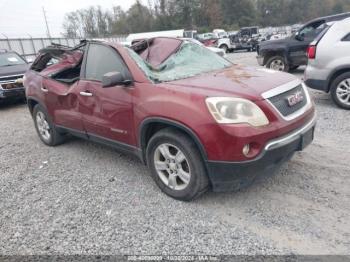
125	114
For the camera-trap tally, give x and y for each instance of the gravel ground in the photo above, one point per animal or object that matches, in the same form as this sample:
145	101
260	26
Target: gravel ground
85	198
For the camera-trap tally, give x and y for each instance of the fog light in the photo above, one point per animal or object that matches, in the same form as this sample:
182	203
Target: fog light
246	150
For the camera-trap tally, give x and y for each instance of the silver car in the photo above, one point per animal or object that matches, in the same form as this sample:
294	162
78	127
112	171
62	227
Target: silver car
329	63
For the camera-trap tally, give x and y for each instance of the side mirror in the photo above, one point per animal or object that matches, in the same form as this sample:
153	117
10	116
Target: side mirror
114	79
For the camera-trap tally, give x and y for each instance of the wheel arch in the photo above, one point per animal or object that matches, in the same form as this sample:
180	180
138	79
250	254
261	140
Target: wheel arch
32	102
223	44
336	72
275	52
150	126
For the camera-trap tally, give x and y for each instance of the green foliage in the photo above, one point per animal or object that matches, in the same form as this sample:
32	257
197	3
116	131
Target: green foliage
203	15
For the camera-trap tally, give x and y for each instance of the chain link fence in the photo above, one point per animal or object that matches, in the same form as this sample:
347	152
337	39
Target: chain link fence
29	47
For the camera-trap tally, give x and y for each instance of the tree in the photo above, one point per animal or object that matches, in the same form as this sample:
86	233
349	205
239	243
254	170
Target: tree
72	26
238	12
196	14
119	24
209	14
139	18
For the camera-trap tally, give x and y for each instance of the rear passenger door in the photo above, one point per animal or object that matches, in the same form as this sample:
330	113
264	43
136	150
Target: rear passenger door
107	112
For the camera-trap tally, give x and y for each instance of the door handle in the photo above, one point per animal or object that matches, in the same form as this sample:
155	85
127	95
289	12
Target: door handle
85	93
44	89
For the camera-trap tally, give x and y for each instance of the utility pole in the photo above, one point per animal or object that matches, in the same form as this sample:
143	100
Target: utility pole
47	25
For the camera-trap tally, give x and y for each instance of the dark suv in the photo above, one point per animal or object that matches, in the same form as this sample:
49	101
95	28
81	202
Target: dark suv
290	53
12	69
197	120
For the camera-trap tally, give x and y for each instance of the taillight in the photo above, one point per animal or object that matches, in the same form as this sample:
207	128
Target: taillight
311	52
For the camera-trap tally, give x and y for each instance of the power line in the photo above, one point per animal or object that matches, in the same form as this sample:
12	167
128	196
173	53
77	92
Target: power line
47	25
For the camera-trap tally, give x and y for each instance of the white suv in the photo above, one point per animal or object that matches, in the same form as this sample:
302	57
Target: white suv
329	63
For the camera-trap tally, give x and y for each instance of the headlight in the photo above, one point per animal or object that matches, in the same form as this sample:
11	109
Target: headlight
229	110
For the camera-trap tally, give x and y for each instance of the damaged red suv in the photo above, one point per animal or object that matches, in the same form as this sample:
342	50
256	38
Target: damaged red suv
195	119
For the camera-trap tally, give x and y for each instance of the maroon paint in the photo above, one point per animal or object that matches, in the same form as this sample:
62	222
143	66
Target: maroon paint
125	108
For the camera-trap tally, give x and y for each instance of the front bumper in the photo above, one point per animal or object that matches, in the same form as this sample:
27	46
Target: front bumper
232	176
12	93
260	60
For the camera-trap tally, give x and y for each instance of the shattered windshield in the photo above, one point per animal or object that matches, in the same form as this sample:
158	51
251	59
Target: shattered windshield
190	60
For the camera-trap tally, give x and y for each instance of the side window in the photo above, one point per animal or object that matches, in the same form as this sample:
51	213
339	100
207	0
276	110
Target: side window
101	60
346	38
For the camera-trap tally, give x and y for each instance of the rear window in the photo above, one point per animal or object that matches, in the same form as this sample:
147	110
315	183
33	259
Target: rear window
322	34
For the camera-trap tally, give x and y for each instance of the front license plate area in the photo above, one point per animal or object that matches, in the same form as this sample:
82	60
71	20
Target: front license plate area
306	139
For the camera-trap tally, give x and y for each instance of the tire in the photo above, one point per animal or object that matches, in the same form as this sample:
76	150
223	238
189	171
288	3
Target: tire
341	85
225	48
187	189
277	63
46	130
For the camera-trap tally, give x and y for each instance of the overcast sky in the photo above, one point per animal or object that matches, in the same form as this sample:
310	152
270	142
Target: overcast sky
20	18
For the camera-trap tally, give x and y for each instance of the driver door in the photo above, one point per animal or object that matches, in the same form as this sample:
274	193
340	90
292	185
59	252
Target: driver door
107	112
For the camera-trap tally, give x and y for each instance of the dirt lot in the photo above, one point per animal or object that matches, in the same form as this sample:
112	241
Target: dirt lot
86	198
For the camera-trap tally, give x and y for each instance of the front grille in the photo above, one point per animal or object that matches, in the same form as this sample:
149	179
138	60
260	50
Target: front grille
281	101
10	82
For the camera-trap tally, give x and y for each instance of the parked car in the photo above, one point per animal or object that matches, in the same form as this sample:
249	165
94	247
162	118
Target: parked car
195	119
245	39
208	39
290	53
206	36
12	69
329	63
220	33
216	50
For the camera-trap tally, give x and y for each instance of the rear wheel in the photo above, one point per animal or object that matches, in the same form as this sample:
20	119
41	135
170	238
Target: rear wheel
45	128
340	91
277	63
176	165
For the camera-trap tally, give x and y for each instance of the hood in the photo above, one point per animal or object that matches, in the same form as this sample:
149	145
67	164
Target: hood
239	81
274	42
13	70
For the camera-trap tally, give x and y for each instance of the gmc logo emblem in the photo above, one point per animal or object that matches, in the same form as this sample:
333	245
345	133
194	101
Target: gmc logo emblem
295	99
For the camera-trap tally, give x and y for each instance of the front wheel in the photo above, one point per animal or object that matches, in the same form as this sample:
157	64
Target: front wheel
46	130
224	48
277	63
340	91
176	165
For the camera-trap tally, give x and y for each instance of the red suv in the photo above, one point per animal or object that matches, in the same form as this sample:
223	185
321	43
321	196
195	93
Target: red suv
195	119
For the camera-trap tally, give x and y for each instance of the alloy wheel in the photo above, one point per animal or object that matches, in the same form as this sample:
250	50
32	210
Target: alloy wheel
277	65
43	126
343	92
172	166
